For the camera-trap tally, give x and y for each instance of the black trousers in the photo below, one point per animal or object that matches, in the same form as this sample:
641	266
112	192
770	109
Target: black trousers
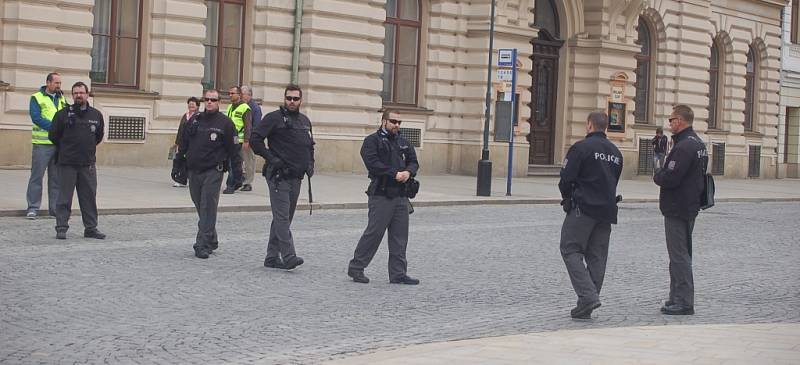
283	195
84	180
584	248
204	188
679	247
385	214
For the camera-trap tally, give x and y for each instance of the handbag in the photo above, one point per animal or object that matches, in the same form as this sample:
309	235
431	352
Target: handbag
412	188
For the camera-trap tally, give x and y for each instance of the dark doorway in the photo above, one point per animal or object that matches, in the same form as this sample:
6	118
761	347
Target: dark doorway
543	97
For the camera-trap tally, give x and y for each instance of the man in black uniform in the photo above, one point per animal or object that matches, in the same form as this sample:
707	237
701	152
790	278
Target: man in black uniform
290	155
681	182
391	161
588	186
76	132
207	143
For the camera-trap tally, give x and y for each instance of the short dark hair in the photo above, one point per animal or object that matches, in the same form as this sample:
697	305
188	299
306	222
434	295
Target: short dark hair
386	112
599	120
659	130
50	76
80	84
685	112
238	89
292	87
215	91
194	100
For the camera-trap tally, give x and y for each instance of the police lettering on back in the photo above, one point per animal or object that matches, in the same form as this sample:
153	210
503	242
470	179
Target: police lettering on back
607	157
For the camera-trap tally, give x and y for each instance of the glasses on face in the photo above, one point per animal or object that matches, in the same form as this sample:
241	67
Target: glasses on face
212	100
394	121
233	93
292	98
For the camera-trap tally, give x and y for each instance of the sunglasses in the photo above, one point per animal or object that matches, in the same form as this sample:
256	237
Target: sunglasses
292	98
394	121
211	99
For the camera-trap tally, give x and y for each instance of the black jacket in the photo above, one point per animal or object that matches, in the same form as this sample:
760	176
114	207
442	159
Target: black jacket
207	141
590	175
681	179
659	144
290	141
385	154
76	133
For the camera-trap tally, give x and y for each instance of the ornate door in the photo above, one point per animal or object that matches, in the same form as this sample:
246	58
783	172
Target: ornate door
543	98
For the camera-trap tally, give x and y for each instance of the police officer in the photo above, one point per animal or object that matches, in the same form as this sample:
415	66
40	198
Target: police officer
681	182
239	112
588	185
290	155
207	143
391	161
76	131
43	107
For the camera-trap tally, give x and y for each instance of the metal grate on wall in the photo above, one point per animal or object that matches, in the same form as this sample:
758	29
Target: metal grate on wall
718	159
413	135
645	156
126	128
754	161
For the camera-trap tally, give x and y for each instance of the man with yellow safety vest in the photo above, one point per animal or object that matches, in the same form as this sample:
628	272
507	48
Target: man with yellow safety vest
239	112
43	106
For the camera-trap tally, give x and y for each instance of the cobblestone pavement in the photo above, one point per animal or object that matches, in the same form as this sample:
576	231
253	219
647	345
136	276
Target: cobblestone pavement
141	297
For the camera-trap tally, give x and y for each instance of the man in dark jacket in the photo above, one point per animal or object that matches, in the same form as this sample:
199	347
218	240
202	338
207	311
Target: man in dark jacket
76	131
207	143
289	155
588	186
681	182
659	143
391	162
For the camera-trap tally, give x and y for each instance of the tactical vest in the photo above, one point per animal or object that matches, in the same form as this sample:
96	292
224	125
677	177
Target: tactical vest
237	116
48	111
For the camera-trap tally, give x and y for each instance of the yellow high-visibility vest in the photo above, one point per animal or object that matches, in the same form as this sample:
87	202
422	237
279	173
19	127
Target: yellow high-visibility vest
237	116
48	111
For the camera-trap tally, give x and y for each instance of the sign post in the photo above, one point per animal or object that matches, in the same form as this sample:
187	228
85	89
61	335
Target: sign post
507	64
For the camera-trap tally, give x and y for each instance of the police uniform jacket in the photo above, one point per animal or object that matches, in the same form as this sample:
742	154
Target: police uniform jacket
385	154
589	177
290	143
207	141
681	178
76	132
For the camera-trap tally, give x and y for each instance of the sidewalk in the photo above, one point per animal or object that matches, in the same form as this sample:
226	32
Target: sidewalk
132	190
676	344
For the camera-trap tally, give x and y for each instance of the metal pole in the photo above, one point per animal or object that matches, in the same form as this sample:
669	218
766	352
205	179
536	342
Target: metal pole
484	165
298	27
513	122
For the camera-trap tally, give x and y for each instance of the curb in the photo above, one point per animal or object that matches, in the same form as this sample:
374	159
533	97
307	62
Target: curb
363	205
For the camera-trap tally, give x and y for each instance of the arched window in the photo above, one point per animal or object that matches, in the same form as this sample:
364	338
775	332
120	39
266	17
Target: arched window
714	87
401	52
116	34
750	90
223	60
643	71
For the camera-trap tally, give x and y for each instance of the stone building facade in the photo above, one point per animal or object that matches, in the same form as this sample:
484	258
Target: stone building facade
427	58
789	120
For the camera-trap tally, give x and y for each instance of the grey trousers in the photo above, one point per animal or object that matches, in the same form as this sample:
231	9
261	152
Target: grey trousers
84	180
234	177
249	168
384	214
43	157
204	189
283	195
584	248
679	248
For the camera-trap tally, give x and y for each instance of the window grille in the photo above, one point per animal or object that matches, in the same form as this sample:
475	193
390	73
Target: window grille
126	128
413	135
754	162
718	159
646	155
